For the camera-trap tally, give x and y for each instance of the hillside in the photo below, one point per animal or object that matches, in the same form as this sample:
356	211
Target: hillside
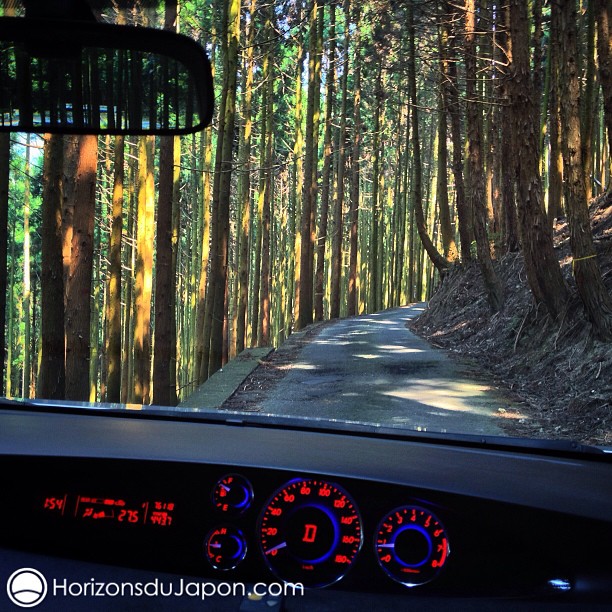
559	374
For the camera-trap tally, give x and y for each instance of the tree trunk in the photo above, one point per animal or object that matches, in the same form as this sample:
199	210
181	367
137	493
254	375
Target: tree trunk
541	263
338	208
164	383
174	274
355	166
595	297
143	273
163	394
221	199
27	285
52	375
604	56
78	291
309	198
373	304
298	182
417	177
464	214
448	236
267	162
202	345
113	312
319	290
5	158
555	172
508	171
245	182
11	388
477	195
203	321
588	109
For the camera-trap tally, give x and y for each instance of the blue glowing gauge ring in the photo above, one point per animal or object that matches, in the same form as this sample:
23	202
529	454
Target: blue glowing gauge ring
411	545
310	532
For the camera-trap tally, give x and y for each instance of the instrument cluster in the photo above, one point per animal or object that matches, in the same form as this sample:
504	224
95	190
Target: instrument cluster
310	531
253	524
242	524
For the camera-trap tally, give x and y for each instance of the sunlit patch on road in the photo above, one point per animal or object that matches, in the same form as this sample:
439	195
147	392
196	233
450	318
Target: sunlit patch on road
447	394
402	350
304	366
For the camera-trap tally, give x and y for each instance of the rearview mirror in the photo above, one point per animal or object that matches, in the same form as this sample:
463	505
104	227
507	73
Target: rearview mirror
79	77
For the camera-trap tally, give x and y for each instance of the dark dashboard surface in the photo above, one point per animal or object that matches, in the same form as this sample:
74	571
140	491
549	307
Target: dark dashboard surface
365	515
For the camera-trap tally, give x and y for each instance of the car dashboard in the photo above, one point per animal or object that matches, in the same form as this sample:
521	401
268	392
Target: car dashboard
358	519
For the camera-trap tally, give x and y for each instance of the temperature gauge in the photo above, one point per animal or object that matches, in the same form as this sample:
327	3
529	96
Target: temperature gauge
232	494
411	545
225	547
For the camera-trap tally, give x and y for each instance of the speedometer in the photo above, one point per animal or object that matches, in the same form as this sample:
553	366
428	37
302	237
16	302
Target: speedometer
310	532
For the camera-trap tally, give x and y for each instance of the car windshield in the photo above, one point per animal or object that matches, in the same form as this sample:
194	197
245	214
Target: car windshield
401	217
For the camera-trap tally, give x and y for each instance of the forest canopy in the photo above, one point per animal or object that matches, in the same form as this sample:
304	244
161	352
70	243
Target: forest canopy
359	150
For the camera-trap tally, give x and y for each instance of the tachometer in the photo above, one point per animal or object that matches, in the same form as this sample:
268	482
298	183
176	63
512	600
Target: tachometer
310	532
411	545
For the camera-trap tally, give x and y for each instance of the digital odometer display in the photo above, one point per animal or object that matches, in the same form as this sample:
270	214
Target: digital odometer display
310	532
93	509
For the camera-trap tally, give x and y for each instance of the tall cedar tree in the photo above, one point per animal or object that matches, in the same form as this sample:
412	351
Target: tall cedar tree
341	147
593	292
52	373
448	236
143	274
541	263
304	294
221	196
80	271
451	91
266	192
319	289
417	191
604	57
477	190
164	392
555	171
113	313
245	180
374	302
27	282
352	308
5	154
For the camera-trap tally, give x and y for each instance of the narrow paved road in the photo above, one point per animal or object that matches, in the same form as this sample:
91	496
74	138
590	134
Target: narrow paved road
372	369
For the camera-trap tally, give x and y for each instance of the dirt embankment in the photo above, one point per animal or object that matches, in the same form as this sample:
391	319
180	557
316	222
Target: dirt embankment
557	370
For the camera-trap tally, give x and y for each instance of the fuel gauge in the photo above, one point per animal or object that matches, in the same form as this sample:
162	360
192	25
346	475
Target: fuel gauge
232	494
